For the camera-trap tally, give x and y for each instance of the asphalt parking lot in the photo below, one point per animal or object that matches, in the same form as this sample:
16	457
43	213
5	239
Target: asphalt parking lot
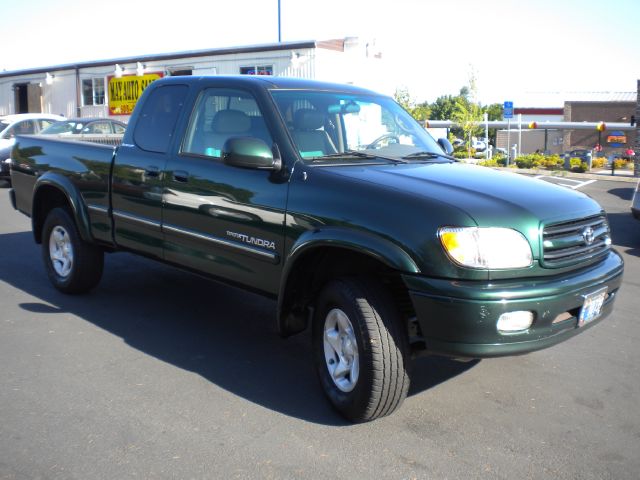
161	374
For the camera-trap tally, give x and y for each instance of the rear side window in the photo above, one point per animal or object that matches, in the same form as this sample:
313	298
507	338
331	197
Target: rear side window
157	121
44	123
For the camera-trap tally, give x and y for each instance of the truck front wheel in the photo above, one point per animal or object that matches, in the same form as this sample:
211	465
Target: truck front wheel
73	265
361	350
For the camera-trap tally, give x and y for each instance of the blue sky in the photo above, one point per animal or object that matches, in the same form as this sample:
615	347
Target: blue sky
513	48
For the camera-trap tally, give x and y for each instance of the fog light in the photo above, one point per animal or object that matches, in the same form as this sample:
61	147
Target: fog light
515	321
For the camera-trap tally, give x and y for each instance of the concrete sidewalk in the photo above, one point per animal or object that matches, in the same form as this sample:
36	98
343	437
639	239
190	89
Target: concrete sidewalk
599	174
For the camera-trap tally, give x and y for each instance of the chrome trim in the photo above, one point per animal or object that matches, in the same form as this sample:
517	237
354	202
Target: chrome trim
134	218
99	209
219	241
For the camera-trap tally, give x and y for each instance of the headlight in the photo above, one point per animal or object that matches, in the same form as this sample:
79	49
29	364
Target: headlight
486	247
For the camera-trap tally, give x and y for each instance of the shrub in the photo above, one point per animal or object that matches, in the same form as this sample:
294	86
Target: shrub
577	165
532	160
460	154
500	159
490	163
598	162
552	162
620	163
524	161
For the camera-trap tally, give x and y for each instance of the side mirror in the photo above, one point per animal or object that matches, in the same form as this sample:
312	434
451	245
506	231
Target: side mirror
249	152
445	145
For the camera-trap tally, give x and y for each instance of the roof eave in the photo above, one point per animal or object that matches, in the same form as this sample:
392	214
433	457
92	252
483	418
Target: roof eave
166	56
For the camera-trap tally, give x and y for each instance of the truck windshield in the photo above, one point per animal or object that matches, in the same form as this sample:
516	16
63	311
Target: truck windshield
332	126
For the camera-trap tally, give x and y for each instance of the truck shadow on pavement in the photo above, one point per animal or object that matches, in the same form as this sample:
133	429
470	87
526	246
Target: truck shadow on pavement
625	232
224	334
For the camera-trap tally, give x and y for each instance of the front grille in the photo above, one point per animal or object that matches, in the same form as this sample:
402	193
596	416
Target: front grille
574	242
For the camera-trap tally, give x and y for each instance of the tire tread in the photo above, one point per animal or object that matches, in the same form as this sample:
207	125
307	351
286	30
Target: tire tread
388	348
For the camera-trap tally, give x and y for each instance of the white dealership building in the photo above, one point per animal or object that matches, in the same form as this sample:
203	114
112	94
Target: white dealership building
111	87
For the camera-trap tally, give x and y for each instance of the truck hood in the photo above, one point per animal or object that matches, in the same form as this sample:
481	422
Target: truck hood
488	196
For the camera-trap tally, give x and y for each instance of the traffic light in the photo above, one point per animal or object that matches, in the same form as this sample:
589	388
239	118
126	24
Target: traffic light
601	127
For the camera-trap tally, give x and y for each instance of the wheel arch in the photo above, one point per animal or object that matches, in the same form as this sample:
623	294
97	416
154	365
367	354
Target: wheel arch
54	190
329	253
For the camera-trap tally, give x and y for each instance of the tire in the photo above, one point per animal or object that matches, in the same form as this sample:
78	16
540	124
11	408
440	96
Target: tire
374	382
73	265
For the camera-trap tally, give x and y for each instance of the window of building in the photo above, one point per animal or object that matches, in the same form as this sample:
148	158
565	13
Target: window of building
257	70
93	91
180	72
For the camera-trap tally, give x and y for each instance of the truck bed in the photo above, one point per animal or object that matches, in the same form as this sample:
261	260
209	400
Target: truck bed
86	165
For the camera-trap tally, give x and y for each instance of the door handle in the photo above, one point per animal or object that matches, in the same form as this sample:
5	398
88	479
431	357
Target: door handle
181	176
152	171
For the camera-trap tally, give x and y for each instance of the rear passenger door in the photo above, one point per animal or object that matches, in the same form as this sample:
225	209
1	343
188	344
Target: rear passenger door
223	220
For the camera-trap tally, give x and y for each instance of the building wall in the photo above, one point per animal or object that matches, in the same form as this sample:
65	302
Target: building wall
359	64
59	97
594	112
532	140
346	61
526	118
340	64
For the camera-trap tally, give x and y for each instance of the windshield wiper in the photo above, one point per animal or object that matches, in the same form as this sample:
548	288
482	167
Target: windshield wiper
357	154
419	155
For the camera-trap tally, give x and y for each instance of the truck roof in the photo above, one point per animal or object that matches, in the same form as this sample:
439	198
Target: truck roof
269	82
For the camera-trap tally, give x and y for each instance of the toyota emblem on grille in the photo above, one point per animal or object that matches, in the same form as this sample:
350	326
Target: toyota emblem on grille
588	235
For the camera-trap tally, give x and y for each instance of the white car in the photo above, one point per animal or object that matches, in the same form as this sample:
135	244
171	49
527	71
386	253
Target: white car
479	145
20	124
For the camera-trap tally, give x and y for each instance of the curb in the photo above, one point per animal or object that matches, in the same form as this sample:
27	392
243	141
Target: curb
604	175
601	174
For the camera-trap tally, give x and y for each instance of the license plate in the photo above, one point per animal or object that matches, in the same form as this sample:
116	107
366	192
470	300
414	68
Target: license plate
592	306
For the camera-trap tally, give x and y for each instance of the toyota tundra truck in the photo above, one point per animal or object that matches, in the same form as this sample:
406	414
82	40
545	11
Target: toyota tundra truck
336	203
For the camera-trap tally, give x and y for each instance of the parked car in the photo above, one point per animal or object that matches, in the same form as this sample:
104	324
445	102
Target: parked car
635	202
20	124
501	151
580	153
479	145
76	126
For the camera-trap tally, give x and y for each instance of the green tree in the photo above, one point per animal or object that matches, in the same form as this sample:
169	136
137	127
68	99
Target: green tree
419	111
468	115
443	107
403	97
494	111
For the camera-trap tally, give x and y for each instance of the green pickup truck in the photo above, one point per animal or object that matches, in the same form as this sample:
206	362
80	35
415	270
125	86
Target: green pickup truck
333	201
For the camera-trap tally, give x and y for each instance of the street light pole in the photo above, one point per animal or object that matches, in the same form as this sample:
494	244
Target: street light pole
486	135
279	24
519	134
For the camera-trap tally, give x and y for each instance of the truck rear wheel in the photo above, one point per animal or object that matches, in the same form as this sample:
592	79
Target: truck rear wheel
73	265
361	350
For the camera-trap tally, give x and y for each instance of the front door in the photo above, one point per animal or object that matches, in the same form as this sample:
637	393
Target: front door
223	220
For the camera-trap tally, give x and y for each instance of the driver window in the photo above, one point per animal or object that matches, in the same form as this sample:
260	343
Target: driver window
221	114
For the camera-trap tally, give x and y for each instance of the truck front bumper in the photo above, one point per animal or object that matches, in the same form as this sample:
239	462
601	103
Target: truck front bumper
459	318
